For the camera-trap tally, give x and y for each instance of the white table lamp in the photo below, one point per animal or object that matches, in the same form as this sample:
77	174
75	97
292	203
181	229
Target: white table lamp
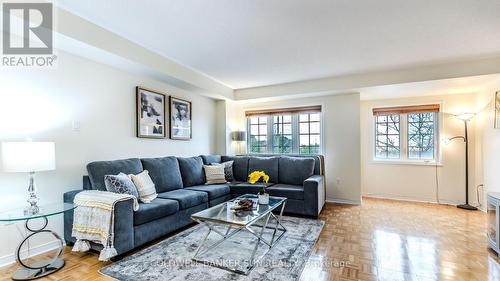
29	157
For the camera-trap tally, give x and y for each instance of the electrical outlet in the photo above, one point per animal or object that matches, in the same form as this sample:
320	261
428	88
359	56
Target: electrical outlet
337	180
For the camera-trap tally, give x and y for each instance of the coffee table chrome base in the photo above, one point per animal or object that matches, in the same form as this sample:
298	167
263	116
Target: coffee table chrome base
30	274
40	268
231	231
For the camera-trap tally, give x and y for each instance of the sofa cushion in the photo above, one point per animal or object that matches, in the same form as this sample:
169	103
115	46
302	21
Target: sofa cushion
287	190
164	172
158	208
97	170
240	166
318	161
191	171
213	190
186	198
270	166
211	159
295	170
245	187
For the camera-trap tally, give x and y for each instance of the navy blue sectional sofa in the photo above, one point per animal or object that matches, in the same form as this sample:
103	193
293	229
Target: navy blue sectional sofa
181	188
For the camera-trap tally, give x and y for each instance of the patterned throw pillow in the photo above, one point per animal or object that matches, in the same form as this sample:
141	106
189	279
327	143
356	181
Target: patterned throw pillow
145	186
214	174
120	183
228	170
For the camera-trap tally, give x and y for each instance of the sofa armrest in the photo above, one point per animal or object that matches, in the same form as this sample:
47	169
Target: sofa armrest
124	223
314	195
69	196
124	226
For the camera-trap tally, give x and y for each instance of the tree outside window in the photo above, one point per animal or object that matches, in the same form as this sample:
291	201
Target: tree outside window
414	133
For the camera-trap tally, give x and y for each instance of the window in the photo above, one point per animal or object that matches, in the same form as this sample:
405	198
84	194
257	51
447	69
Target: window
406	133
289	131
421	137
309	133
282	134
258	134
387	144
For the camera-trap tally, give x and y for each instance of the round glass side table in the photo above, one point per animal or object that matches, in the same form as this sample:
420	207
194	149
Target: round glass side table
43	267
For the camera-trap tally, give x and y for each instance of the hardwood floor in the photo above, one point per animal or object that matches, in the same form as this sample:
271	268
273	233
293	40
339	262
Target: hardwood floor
379	240
397	240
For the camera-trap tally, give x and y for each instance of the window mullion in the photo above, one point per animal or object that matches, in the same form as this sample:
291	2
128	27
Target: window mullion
403	136
270	136
249	136
295	134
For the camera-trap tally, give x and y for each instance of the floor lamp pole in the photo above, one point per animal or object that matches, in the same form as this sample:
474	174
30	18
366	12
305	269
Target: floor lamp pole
466	205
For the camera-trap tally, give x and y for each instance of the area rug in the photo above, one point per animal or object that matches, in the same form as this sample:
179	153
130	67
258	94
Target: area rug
170	259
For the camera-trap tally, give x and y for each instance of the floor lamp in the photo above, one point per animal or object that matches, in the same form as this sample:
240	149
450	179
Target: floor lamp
466	117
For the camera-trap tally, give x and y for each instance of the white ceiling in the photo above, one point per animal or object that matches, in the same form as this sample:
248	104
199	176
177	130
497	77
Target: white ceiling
454	86
261	42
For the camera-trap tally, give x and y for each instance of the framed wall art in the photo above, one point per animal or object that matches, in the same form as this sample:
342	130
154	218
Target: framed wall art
151	114
180	119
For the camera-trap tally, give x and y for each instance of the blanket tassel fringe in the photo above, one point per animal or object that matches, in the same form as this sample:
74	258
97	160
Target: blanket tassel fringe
81	246
107	253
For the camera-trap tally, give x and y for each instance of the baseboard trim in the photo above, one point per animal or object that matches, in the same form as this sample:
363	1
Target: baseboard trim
343	201
37	250
415	199
410	198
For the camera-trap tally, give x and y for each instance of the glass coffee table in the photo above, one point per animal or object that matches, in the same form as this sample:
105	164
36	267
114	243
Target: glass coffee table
237	231
44	267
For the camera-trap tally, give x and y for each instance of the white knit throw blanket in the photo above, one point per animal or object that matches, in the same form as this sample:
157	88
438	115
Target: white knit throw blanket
93	220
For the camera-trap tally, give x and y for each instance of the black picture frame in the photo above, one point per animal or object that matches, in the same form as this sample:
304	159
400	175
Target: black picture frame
180	121
150	105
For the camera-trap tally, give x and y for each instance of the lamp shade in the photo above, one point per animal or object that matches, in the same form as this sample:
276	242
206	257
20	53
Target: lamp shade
20	157
466	116
238	136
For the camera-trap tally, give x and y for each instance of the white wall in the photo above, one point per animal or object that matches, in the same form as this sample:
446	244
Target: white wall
341	147
231	119
41	104
418	182
488	156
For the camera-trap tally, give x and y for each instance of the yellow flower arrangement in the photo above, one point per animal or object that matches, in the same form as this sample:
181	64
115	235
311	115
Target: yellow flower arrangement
256	176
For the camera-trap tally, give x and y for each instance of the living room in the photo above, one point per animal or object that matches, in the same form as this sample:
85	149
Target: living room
338	138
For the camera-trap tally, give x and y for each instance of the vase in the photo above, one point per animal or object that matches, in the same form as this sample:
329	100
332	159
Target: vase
264	199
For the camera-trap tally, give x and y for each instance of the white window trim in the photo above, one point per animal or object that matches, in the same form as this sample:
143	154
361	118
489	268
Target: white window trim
407	162
403	138
295	135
